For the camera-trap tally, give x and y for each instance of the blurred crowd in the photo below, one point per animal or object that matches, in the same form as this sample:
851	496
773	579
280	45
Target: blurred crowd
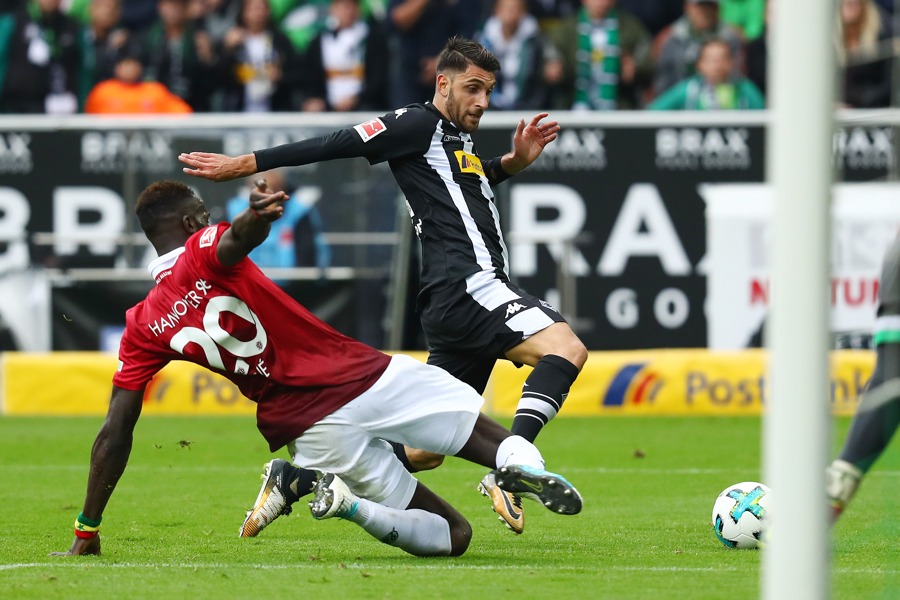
154	56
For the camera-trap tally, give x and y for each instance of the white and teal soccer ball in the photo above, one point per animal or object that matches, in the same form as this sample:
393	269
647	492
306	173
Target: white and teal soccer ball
740	515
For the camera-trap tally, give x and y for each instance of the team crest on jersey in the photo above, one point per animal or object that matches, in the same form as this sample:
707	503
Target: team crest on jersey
469	163
208	236
370	129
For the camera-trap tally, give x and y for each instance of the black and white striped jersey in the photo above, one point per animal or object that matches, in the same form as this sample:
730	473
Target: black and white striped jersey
446	184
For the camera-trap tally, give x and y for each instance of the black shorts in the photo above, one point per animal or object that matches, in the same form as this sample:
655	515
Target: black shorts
470	324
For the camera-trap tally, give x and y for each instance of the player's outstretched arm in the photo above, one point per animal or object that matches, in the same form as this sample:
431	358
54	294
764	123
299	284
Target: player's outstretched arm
108	459
250	227
528	143
218	167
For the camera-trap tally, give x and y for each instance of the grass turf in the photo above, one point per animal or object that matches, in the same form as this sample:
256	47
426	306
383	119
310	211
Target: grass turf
170	529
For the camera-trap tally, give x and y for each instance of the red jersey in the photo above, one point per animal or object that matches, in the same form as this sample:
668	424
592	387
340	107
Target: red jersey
237	322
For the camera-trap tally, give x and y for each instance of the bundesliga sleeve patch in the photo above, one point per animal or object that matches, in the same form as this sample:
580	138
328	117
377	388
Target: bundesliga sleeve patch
208	236
370	129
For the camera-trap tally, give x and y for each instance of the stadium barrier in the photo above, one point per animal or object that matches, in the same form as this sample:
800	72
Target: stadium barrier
640	382
623	223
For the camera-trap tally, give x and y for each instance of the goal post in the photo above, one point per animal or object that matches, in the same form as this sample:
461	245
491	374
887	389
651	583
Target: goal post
796	430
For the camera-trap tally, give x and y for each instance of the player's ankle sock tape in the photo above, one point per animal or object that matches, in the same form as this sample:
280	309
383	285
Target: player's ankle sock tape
302	482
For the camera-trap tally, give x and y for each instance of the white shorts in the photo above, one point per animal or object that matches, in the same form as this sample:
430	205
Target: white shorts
411	403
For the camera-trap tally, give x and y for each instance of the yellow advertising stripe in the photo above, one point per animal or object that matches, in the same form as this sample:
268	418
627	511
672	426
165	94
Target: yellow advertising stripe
79	383
641	382
680	382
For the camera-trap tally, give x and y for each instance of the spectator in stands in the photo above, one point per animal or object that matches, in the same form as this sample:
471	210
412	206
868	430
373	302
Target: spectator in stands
714	87
655	15
303	20
80	10
261	69
125	93
604	59
346	66
513	36
179	55
679	45
139	15
102	43
297	239
215	17
300	20
756	53
864	53
550	13
421	28
42	59
746	17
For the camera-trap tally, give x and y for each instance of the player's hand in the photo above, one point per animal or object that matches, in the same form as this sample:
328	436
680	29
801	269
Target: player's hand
265	203
529	142
82	546
218	167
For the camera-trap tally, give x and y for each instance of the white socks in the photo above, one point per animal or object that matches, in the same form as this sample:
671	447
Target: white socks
516	450
416	531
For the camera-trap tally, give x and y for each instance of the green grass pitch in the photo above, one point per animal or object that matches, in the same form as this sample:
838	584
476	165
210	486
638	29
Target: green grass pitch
170	530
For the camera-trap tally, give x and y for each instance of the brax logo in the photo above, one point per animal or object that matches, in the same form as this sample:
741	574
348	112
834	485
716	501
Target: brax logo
513	308
370	129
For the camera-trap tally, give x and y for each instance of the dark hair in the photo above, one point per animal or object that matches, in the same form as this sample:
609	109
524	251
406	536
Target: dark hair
460	52
161	201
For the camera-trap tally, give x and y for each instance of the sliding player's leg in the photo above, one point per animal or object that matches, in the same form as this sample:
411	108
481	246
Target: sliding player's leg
877	418
406	514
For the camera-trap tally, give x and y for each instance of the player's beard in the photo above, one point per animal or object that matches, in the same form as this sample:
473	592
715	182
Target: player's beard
458	116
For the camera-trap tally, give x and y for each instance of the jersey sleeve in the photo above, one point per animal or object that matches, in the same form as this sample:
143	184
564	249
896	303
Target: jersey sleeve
137	363
202	247
396	134
393	135
494	171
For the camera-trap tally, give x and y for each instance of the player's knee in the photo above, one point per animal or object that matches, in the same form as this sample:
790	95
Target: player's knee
460	536
422	460
578	353
572	350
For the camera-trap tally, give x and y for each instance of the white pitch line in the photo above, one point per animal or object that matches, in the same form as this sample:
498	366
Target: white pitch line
80	564
592	470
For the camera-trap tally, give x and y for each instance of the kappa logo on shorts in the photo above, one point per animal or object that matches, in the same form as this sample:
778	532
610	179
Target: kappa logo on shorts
209	235
370	129
512	308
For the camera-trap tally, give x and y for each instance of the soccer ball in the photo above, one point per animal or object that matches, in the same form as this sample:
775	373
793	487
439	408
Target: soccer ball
739	515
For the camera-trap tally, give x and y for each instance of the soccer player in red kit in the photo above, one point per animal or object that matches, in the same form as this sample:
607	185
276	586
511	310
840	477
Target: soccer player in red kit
331	400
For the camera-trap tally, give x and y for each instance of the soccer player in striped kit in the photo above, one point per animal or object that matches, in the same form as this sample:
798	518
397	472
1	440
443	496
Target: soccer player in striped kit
471	313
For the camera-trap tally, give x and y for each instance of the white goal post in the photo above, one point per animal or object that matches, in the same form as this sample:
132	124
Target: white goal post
797	422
